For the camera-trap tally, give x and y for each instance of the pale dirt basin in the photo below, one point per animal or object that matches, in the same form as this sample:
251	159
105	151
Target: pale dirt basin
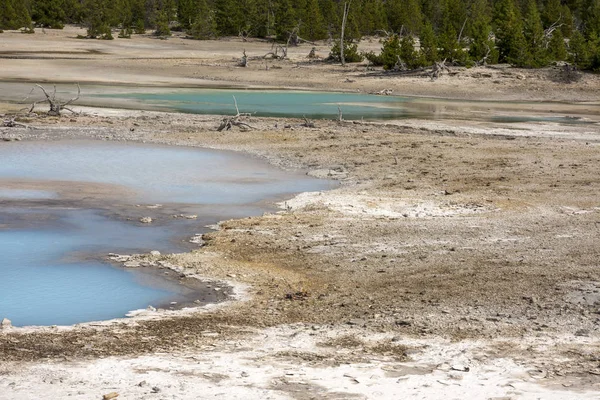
458	260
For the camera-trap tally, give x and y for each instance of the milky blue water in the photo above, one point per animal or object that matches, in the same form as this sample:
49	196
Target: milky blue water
274	103
52	265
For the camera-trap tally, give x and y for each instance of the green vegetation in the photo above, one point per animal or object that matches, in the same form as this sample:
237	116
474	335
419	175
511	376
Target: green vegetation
525	33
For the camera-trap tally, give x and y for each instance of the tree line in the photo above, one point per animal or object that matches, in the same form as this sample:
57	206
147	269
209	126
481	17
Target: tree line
525	33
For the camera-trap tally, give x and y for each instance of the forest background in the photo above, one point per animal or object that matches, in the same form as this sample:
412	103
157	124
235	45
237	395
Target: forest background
415	33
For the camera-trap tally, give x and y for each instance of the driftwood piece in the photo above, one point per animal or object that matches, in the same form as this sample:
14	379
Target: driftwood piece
228	122
438	68
307	123
56	106
11	123
244	60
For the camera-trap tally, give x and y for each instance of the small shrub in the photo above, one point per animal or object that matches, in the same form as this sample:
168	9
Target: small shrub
351	53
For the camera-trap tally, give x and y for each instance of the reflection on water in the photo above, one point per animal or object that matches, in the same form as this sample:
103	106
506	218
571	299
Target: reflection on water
52	265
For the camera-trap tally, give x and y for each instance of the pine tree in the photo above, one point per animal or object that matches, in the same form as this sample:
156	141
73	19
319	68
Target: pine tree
428	43
552	13
567	21
481	45
556	47
313	25
590	18
162	24
98	18
411	58
579	51
285	19
509	33
389	52
48	13
186	13
204	26
534	37
8	16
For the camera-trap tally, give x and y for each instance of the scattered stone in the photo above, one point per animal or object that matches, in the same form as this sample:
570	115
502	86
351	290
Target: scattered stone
131	264
150	308
119	257
460	368
146	220
155	253
582	332
357	322
155	389
111	395
197	239
5	324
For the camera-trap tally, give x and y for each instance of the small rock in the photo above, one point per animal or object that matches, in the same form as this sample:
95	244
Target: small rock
155	253
582	332
6	323
460	368
111	395
146	220
191	216
150	308
357	321
155	389
131	264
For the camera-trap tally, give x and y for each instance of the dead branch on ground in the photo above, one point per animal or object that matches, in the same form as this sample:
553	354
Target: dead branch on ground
244	60
56	106
438	68
307	123
11	123
228	122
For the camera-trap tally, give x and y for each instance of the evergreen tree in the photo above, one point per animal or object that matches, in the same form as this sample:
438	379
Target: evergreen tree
8	16
579	52
552	13
204	26
48	13
411	58
389	53
98	18
590	18
313	25
186	13
509	33
331	17
162	24
405	16
428	44
373	17
285	19
556	47
567	21
534	37
481	45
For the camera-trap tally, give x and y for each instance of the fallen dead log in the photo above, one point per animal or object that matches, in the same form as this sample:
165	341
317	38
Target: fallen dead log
229	122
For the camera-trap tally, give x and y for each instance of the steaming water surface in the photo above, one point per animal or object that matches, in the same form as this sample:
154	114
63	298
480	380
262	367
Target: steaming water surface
53	239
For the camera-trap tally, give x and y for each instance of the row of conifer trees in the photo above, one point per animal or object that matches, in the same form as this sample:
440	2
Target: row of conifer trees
528	33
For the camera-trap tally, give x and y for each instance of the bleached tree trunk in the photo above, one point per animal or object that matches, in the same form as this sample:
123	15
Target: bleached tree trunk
344	18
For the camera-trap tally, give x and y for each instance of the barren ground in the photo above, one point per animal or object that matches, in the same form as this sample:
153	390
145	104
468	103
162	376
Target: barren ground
457	260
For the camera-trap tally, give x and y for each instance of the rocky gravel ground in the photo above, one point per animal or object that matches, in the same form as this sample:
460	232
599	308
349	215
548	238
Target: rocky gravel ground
435	241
